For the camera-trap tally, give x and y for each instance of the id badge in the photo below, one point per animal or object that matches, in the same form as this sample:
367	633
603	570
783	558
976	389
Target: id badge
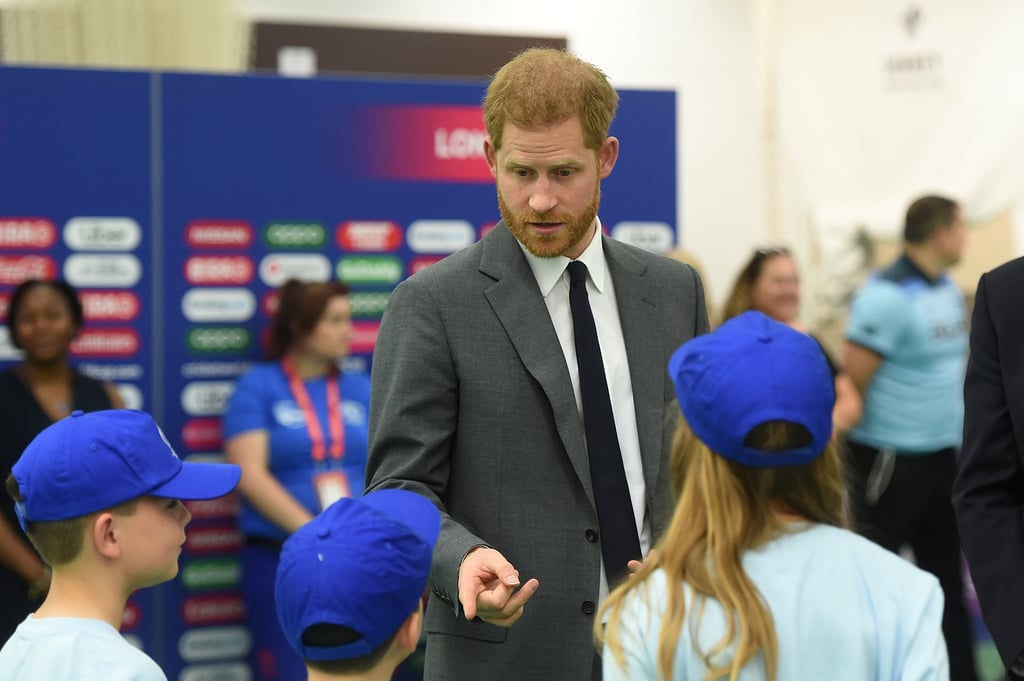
331	486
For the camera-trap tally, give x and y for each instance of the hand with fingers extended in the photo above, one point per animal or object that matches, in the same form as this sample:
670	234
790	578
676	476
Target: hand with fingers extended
489	588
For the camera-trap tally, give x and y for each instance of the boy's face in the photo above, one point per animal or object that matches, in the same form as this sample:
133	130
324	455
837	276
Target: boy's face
152	538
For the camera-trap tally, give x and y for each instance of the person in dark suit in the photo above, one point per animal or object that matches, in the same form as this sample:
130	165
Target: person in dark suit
476	400
988	493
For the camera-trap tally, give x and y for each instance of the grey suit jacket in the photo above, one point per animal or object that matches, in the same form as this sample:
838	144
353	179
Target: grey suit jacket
472	406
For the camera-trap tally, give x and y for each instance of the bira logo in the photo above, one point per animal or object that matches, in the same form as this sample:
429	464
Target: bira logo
218	270
18	233
104	306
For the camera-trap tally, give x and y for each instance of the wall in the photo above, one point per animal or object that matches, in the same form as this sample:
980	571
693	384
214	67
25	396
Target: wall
703	50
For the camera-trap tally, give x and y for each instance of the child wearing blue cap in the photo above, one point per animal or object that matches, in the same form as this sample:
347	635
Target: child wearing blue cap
99	496
755	577
350	584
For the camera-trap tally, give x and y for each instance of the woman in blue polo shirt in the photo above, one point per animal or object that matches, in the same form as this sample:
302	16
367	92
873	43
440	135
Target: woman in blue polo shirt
297	425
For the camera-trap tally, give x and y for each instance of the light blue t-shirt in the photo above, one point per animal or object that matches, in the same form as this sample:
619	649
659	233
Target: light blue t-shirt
263	400
844	609
914	403
73	649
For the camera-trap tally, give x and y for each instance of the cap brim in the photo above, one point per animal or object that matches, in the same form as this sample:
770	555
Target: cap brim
200	481
408	508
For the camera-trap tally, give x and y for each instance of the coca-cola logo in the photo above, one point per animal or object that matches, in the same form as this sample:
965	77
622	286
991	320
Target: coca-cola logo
220	609
15	269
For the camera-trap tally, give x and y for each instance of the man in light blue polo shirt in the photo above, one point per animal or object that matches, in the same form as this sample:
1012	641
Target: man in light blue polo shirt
906	349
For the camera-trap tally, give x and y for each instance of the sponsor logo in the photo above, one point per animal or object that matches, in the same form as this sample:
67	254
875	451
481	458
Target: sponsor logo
277	268
206	398
214	539
214	643
104	306
218	339
368	304
121	342
218	270
15	269
295	234
218	234
102	234
131	617
364	336
439	236
656	237
218	305
111	372
209	369
370	269
224	671
205	610
218	672
27	233
225	507
130	395
366	235
202	433
423	262
97	271
209	574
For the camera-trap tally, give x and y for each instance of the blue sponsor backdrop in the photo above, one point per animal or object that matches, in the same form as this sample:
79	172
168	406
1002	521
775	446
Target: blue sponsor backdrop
238	182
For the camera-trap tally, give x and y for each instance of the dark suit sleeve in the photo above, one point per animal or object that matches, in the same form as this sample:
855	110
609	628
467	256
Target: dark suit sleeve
989	490
413	418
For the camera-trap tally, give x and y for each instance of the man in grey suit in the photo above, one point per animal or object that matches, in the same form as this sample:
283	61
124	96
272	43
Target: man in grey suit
476	400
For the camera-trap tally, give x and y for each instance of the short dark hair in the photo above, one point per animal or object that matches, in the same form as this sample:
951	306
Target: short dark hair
926	215
300	306
331	635
18	297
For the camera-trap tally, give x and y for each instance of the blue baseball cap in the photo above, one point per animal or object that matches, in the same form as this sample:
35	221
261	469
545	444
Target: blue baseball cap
363	564
90	462
749	371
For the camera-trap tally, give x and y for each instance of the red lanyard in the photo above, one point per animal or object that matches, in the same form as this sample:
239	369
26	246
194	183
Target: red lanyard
316	433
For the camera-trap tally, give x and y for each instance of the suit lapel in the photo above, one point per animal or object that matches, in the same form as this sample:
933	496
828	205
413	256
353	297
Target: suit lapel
519	307
637	302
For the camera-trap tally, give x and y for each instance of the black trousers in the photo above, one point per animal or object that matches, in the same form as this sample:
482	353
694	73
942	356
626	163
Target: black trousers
907	499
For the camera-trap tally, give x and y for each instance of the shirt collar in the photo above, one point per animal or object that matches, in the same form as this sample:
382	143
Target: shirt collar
548	271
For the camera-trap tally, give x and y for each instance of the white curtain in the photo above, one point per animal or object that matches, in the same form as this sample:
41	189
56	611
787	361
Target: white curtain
882	101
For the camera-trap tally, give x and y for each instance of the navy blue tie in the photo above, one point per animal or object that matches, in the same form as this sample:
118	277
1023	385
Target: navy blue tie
619	541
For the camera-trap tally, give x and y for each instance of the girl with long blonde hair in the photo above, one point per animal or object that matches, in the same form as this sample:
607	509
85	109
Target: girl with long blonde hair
756	577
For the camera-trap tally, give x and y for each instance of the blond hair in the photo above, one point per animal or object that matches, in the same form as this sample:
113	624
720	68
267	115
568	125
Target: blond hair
543	86
724	509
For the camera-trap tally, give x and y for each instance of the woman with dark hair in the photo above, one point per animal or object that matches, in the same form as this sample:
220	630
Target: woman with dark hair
43	317
770	283
297	425
756	577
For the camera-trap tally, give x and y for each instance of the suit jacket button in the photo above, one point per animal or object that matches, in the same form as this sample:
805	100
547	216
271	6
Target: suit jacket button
588	607
591	536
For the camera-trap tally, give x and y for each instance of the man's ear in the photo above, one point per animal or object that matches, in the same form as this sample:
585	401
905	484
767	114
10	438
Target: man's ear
491	154
606	157
103	535
409	633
